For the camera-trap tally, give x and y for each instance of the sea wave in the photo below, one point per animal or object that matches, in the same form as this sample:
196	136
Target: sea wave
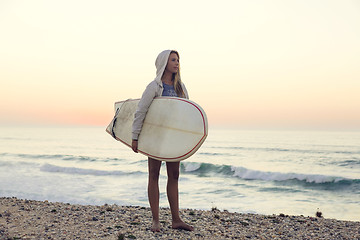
249	174
85	171
327	150
348	163
64	157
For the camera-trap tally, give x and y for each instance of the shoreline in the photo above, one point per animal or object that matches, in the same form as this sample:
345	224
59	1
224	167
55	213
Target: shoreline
31	219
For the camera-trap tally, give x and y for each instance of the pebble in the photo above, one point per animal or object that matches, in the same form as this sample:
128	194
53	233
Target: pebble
29	219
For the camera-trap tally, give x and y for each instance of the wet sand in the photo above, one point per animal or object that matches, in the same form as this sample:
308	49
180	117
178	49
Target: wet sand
29	219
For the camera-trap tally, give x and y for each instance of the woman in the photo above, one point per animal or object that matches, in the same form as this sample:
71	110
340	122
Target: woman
166	83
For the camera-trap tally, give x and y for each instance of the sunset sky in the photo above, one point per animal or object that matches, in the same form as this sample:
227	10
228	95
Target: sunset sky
253	64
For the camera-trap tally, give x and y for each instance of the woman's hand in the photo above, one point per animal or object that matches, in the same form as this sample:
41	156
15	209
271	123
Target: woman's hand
134	145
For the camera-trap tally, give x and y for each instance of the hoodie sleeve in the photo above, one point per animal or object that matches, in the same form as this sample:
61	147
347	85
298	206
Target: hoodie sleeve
143	106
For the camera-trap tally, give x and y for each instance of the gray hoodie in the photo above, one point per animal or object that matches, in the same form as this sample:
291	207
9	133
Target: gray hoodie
154	89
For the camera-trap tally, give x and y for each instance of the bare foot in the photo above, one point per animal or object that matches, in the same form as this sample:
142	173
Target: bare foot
155	226
182	225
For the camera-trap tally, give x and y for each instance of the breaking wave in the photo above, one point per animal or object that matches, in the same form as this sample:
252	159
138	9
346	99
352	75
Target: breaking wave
207	169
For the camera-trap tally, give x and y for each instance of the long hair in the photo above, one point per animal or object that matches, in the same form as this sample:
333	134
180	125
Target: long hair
177	79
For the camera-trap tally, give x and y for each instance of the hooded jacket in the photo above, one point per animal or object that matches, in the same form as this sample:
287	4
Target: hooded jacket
153	89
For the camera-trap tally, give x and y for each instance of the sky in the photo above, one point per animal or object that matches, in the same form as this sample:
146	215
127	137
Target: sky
292	64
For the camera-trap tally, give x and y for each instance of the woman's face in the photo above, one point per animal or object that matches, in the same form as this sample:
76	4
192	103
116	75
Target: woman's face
173	63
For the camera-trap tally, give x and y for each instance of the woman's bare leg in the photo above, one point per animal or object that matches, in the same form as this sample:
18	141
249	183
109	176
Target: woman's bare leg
173	169
153	192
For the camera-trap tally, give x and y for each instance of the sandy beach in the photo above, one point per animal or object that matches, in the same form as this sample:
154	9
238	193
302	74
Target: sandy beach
29	219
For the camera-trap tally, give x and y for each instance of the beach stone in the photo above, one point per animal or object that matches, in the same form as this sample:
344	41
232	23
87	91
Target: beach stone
97	222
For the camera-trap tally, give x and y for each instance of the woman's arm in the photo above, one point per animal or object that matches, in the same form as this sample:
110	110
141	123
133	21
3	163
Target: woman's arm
143	106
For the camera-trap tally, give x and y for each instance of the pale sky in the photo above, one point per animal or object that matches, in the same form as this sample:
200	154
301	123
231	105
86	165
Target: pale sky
253	64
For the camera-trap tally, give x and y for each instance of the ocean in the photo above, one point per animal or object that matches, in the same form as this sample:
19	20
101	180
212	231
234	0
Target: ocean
245	171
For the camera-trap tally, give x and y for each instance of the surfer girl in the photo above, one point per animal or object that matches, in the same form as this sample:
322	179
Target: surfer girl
166	83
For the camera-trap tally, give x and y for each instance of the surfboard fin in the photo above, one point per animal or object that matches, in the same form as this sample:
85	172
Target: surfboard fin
113	122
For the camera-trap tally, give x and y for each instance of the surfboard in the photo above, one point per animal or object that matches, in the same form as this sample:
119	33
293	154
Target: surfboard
173	130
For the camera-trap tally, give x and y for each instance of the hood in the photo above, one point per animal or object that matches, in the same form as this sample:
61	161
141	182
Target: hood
160	63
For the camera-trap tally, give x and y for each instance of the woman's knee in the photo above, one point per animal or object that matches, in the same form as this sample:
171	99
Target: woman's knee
154	169
174	175
154	174
173	171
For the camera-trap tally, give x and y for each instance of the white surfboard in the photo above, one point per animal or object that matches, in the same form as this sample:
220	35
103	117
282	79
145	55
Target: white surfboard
173	129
